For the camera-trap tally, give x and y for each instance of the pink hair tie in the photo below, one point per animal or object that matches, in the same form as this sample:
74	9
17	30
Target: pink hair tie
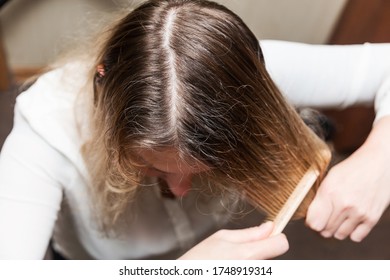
100	70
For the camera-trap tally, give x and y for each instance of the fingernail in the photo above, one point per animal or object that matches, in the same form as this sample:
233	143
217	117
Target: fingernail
356	239
266	224
317	226
339	236
326	234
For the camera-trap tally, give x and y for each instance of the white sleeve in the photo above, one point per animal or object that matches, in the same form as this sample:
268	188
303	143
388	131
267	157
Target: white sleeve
30	192
331	75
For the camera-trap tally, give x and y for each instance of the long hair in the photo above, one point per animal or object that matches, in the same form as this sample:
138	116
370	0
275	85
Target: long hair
190	75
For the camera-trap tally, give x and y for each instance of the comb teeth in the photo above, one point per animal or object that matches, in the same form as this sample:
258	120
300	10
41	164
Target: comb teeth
281	203
295	199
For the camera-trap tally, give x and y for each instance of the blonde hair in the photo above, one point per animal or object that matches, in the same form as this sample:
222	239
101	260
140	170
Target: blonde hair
190	75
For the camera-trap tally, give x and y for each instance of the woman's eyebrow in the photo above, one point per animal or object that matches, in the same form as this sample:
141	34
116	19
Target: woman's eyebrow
149	165
156	169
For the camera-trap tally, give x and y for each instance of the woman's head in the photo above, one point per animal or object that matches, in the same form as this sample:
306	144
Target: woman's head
174	72
188	77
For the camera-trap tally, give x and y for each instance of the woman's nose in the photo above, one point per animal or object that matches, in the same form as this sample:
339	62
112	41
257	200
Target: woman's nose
179	185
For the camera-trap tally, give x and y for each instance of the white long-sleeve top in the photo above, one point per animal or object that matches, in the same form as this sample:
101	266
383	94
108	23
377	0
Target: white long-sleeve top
43	179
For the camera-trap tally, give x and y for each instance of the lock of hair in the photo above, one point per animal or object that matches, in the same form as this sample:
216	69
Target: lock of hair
299	194
295	199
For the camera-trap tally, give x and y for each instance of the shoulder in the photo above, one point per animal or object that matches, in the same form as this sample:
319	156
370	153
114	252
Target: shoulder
49	108
58	87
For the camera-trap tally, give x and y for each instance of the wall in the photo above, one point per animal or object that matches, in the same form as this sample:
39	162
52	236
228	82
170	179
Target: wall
35	31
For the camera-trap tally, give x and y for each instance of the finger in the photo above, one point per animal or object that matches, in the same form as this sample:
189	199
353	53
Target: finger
319	212
265	249
361	221
361	232
346	228
248	234
334	223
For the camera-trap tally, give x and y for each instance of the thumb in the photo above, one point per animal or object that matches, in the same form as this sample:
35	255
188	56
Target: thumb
249	234
265	249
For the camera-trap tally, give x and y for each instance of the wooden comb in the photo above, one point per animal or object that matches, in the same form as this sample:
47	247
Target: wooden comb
298	195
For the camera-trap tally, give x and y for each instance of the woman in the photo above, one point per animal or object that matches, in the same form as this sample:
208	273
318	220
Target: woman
163	111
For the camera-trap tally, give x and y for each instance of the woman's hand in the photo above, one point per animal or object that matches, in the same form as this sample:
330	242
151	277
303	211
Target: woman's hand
242	244
356	192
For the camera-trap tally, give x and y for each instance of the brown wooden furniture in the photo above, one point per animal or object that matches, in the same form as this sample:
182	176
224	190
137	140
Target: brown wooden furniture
5	81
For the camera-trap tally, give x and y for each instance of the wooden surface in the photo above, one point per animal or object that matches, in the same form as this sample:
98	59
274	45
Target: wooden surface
5	81
363	21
